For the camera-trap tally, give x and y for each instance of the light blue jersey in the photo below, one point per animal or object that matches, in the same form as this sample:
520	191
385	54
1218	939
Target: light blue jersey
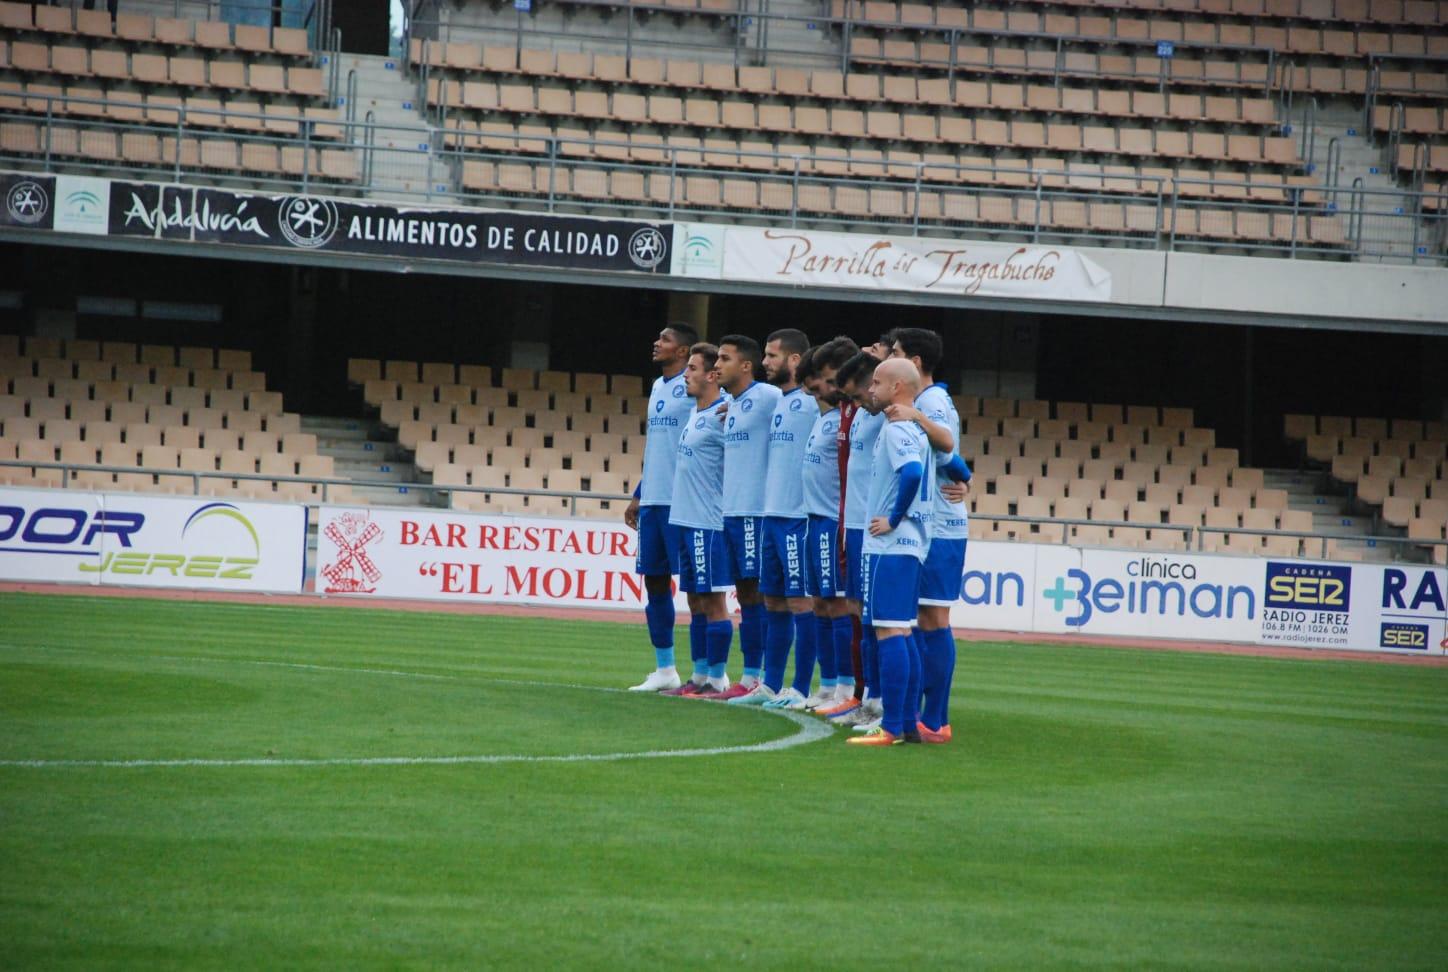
746	449
898	445
699	474
822	467
669	408
789	430
951	520
864	429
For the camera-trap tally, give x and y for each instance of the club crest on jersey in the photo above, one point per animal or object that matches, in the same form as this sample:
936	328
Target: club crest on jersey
699	425
747	405
796	405
680	391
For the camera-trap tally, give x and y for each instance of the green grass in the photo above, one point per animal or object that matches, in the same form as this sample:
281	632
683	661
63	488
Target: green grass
1099	807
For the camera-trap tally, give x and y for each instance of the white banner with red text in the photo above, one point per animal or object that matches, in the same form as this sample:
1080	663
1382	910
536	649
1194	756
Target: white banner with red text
129	540
451	556
806	258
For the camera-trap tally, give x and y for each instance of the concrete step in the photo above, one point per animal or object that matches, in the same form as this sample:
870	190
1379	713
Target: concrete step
388	472
398	496
338	427
368	452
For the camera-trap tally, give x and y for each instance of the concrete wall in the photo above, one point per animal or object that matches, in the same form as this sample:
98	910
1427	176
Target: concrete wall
1300	289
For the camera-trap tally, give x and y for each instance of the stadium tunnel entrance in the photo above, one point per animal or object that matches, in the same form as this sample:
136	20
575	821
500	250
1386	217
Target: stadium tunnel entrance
302	323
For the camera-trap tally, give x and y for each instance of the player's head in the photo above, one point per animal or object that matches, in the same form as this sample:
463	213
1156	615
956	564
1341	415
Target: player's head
700	375
671	347
782	351
922	347
804	373
739	362
825	362
884	345
896	382
853	380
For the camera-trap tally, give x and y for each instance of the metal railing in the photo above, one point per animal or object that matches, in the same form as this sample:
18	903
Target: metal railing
742	20
1193	535
1218	212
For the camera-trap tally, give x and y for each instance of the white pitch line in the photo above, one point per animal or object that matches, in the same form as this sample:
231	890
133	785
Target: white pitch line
810	730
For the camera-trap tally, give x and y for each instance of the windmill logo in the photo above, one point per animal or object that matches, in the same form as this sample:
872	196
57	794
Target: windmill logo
351	532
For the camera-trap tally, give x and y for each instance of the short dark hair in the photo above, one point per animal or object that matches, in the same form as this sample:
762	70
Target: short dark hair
888	338
709	352
684	332
791	340
857	370
805	370
917	342
747	347
834	353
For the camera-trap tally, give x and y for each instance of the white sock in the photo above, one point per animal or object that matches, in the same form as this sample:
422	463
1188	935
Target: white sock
719	684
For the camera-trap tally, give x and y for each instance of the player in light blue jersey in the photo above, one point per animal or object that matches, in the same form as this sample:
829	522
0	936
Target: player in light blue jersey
697	513
824	576
940	578
900	505
746	457
853	379
788	615
669	408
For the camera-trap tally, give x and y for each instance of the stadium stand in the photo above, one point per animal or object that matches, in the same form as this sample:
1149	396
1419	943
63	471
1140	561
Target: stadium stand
158	92
1397	470
154	415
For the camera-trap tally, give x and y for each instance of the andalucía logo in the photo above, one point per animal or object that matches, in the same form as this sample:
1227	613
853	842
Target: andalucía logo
646	248
27	202
352	532
308	223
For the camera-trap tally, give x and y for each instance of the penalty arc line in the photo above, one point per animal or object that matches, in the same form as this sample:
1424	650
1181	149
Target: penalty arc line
809	730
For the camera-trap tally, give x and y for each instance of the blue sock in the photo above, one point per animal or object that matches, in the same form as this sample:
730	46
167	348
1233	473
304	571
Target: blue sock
778	634
659	613
720	633
804	651
699	643
894	679
751	637
912	691
844	655
937	663
825	650
870	657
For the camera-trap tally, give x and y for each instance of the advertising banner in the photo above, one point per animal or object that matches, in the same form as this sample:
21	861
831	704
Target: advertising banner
453	556
151	541
806	258
29	200
316	223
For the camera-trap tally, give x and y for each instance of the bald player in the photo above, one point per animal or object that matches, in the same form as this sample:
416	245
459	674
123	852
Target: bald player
897	537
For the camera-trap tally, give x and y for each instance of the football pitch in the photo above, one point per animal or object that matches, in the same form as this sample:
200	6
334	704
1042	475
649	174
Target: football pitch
193	785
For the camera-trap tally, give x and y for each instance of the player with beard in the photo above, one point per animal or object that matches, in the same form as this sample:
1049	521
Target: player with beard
824	575
697	515
746	456
648	513
853	380
788	614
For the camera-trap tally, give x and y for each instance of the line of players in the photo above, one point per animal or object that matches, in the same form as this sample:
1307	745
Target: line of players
745	484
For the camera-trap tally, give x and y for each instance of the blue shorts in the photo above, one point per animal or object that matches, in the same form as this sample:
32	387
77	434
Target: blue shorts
742	536
822	567
940	578
782	555
703	561
891	590
854	566
658	543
